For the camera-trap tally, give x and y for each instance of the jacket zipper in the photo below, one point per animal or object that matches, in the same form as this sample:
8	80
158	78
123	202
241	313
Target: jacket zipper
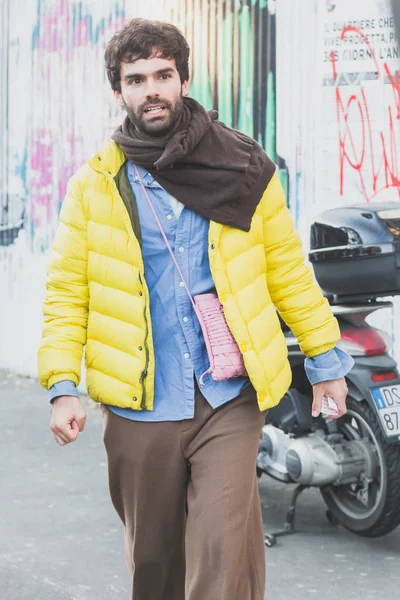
144	372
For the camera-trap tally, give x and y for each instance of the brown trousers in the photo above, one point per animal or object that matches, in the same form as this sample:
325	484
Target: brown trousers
186	492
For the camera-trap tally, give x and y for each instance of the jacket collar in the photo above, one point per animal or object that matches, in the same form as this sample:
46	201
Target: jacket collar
109	160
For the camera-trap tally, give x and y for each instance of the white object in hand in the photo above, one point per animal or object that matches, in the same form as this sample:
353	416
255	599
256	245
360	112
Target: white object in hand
329	407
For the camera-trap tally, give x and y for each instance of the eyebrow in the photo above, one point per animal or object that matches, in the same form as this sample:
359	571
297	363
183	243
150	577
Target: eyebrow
159	72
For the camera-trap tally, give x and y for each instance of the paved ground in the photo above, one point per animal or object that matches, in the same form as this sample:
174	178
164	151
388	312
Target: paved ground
60	539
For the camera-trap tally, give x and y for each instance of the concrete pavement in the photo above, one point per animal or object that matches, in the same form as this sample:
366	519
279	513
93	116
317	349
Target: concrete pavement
61	540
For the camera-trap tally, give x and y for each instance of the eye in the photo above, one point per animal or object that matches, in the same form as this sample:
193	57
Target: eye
166	76
135	81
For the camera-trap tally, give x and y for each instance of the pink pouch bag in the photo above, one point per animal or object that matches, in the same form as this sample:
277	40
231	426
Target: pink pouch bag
226	360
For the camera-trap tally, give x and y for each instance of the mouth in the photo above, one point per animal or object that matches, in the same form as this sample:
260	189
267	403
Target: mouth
154	110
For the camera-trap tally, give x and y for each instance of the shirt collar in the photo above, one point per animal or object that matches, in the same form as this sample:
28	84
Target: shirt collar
147	178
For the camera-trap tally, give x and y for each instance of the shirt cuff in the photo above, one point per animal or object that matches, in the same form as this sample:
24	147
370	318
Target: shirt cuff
330	365
63	388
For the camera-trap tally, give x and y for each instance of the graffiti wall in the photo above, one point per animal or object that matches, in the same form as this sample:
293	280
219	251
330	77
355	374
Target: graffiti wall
361	88
315	82
338	110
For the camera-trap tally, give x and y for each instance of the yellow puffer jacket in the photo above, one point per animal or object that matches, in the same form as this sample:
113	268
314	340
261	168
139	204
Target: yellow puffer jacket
97	294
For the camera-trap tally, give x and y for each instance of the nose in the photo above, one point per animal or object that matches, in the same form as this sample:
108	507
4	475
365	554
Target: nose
151	89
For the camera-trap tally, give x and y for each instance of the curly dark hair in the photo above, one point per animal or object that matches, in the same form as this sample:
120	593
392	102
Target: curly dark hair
144	38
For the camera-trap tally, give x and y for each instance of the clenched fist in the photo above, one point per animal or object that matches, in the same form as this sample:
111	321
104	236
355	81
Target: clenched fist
336	389
67	419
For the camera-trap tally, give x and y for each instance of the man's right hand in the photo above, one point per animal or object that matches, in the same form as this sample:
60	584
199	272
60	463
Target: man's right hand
67	419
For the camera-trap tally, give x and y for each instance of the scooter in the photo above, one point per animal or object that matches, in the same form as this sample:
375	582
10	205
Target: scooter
355	460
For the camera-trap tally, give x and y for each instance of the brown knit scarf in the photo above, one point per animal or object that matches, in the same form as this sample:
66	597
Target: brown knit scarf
218	172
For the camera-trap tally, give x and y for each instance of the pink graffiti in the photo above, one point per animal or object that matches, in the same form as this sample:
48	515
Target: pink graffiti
69	25
40	179
45	193
55	153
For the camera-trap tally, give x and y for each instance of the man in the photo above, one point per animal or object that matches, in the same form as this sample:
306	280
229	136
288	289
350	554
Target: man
181	461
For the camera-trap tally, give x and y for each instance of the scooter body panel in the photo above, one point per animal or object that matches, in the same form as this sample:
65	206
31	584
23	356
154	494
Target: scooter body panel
359	380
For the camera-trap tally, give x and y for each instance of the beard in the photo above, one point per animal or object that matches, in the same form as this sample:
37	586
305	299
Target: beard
157	127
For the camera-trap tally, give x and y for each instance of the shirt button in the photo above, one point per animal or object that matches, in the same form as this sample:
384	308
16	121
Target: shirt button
186	355
185	319
181	249
181	284
169	217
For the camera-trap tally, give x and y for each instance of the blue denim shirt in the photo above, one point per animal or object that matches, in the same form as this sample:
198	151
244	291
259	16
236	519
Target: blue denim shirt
179	348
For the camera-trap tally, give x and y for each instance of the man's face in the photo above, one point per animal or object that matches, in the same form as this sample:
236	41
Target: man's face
152	93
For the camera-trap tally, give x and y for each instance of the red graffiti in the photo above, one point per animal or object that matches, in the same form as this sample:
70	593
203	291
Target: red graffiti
371	151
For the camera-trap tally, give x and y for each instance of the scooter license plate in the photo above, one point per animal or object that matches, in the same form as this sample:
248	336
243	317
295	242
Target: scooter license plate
387	402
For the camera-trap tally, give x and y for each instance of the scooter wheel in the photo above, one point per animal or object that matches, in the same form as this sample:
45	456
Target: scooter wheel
331	518
379	513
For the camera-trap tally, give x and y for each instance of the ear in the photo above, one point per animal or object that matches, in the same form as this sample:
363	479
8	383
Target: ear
185	88
119	98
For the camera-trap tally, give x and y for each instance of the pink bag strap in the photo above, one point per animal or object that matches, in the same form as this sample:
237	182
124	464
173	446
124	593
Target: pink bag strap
165	237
